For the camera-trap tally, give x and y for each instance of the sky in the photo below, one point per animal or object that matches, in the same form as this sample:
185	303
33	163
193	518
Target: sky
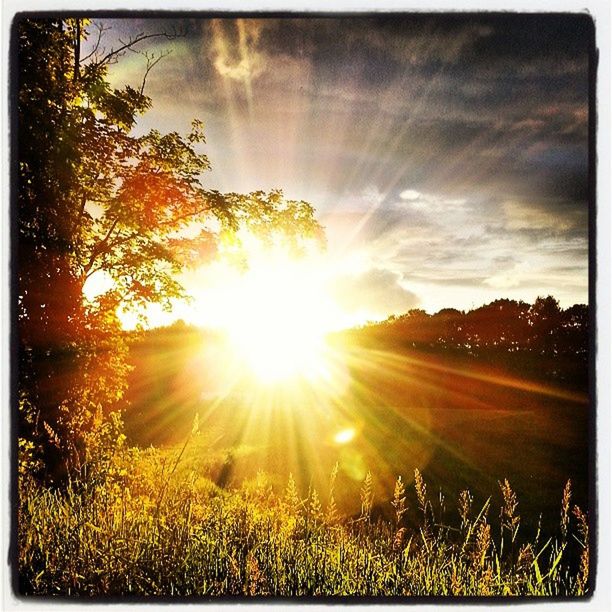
446	155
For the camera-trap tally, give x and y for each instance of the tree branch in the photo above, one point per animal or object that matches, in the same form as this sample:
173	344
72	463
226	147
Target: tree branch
192	213
77	50
111	230
104	246
101	29
151	63
113	53
98	249
84	201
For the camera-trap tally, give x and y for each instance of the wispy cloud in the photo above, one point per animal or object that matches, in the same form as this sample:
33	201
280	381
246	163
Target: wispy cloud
235	49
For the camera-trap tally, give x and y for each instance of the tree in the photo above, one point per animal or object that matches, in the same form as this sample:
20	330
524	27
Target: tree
545	319
93	197
449	325
575	330
502	323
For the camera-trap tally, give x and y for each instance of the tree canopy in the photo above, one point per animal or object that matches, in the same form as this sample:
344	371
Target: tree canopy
93	196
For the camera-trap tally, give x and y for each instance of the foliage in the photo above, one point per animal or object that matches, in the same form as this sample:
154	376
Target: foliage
94	197
152	527
542	327
538	339
119	201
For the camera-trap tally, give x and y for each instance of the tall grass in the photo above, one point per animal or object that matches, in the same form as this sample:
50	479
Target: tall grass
147	528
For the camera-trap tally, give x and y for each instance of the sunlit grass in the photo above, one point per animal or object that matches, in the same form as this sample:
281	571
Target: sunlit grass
149	524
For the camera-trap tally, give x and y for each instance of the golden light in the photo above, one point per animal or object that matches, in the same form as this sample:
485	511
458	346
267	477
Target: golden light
344	436
97	284
276	314
275	349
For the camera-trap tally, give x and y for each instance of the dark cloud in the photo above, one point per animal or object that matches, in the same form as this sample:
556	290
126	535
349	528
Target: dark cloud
505	261
529	37
457	100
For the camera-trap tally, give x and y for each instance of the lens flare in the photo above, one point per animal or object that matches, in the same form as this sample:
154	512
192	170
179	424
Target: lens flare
344	436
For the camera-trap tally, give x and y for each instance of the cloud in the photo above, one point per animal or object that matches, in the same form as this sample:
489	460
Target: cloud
531	216
376	291
410	194
241	71
450	150
430	201
372	196
432	40
503	281
235	50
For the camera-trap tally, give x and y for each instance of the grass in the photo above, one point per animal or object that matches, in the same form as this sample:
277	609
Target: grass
145	524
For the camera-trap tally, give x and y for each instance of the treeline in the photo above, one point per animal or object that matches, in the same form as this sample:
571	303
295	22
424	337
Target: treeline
171	366
540	338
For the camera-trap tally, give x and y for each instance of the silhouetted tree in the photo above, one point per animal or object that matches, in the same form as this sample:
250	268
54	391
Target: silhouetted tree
93	197
545	320
574	333
448	325
502	323
539	333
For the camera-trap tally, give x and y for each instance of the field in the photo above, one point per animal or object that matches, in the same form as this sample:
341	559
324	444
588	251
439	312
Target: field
465	424
423	479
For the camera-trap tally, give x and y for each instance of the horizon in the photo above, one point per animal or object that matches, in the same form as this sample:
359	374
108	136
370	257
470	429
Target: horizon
391	318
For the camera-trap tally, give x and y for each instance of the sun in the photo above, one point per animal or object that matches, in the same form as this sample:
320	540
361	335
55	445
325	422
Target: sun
280	330
274	349
276	315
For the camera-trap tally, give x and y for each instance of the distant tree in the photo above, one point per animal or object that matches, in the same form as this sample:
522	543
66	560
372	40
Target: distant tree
448	322
415	326
415	313
545	320
93	197
448	313
574	334
502	323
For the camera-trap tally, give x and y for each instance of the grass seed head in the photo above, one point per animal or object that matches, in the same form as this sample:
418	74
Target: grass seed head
421	490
